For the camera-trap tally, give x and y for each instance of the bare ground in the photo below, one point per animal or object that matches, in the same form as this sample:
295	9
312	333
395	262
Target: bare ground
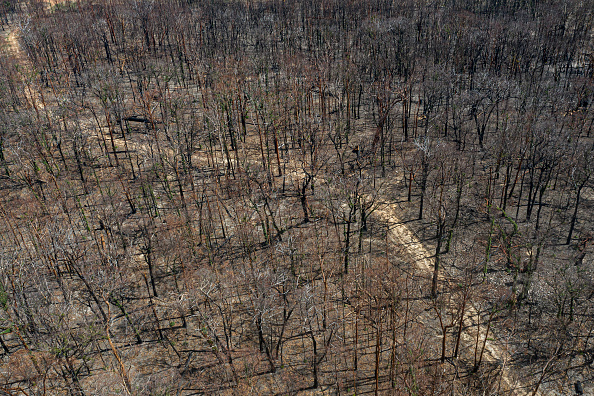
495	350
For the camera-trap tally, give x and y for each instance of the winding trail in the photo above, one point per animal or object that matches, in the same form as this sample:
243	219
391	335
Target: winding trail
401	235
31	93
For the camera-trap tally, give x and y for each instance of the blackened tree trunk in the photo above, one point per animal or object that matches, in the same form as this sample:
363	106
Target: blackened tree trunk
575	211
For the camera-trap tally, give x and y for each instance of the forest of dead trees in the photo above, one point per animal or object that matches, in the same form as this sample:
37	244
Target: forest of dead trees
296	197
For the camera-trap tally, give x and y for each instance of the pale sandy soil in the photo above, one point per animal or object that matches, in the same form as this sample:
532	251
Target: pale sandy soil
14	48
495	350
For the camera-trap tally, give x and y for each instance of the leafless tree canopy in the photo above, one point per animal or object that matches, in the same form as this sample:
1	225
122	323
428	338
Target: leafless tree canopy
296	197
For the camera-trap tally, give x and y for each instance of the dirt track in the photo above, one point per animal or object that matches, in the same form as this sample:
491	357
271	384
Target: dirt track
401	235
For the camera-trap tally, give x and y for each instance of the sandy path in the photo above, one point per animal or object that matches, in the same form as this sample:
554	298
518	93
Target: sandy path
31	93
401	235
